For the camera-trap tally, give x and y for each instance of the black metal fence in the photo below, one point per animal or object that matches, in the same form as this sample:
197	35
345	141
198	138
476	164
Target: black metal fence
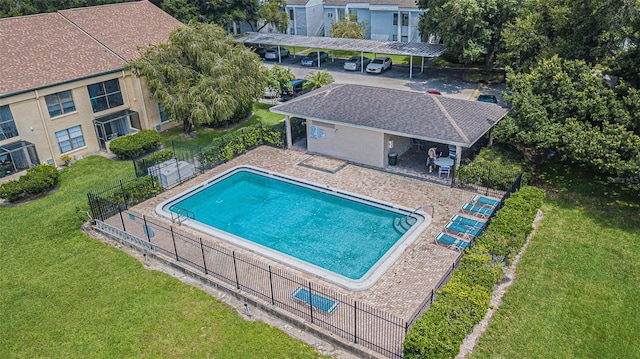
489	180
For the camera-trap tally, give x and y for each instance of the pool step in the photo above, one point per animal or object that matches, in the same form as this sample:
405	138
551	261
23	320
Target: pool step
402	225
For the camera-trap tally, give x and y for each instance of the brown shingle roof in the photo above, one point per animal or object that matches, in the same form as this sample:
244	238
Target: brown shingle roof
407	113
124	27
40	50
46	49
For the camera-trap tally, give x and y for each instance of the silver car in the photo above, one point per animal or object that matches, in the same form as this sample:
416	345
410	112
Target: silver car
272	53
356	63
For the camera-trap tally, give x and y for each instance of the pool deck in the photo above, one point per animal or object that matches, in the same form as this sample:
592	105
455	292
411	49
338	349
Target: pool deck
406	284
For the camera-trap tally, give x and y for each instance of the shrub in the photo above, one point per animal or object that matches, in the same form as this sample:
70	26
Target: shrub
135	191
136	145
495	167
37	180
463	301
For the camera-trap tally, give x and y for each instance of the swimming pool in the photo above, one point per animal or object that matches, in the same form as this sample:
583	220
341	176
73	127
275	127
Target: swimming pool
336	235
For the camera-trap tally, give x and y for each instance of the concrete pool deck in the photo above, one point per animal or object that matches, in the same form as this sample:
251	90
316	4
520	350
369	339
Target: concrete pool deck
405	285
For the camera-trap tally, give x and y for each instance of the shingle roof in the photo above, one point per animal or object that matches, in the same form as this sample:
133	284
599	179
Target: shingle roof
124	27
46	49
405	113
403	4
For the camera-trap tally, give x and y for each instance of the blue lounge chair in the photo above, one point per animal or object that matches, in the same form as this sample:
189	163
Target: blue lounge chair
462	230
476	210
451	241
485	201
316	300
468	221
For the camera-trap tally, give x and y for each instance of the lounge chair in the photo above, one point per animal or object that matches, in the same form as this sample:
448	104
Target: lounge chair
315	300
452	242
468	221
485	201
476	210
462	230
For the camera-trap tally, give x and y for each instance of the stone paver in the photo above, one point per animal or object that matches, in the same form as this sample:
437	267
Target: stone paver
406	284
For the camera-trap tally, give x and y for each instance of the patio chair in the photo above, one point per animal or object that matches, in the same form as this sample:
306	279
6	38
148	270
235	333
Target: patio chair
466	232
452	242
468	221
485	201
317	301
417	142
444	170
452	151
480	211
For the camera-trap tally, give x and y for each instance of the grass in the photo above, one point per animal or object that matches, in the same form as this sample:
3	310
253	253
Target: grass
65	295
576	292
202	136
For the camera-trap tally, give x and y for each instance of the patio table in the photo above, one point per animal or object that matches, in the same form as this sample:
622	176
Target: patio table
444	161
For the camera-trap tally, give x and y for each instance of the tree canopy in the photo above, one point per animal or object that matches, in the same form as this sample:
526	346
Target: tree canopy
317	79
279	78
470	28
202	76
348	27
562	105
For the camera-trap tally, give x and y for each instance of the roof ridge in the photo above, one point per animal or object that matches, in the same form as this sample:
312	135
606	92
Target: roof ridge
449	118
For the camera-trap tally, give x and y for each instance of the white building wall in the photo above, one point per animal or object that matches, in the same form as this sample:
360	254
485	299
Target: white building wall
348	143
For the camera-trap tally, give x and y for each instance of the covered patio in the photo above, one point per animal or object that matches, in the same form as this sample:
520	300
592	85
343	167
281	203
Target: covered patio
390	129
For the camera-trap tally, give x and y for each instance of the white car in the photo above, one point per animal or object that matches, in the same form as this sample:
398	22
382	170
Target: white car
272	53
270	92
379	65
355	63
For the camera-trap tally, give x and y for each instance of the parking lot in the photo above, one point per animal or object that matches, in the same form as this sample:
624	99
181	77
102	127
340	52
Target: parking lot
448	81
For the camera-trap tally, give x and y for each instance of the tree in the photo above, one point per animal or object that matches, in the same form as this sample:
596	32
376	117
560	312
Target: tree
317	79
272	13
279	77
202	76
563	106
348	27
470	28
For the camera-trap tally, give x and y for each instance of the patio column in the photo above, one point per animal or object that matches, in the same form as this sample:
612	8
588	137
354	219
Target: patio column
458	155
287	122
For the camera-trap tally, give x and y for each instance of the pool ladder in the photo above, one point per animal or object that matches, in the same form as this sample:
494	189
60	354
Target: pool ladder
181	215
403	224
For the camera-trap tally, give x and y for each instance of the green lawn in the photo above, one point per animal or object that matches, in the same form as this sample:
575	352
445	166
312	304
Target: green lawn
578	284
202	135
65	295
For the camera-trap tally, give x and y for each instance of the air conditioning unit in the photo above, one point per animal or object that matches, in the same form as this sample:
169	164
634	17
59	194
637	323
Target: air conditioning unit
172	172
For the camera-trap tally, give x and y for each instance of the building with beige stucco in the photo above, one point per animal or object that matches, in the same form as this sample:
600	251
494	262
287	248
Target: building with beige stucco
63	86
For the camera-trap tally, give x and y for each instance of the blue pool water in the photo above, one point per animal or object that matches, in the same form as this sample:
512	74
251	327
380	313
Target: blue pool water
339	233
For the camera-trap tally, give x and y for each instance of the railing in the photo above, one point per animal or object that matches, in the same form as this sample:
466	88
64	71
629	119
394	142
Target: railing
181	212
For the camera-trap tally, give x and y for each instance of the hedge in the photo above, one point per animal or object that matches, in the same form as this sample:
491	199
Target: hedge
463	302
136	145
37	180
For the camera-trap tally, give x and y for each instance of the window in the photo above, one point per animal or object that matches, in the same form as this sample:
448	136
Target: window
7	126
105	95
395	19
394	37
163	114
405	19
70	139
291	14
405	38
340	14
59	103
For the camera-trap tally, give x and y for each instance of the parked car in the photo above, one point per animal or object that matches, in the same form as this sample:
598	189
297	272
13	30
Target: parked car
488	98
312	58
272	53
270	92
434	92
379	65
261	51
297	89
356	63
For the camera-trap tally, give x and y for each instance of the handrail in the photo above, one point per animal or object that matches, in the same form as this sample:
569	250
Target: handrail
433	208
181	211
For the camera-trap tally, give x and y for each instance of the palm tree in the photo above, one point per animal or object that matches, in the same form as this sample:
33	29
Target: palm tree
317	79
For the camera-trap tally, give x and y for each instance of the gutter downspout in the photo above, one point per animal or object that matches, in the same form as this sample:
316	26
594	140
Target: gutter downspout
44	127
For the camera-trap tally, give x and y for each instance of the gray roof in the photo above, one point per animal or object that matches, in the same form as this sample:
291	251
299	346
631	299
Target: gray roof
333	43
404	113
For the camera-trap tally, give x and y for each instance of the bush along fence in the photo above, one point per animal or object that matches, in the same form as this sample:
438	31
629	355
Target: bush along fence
485	178
464	300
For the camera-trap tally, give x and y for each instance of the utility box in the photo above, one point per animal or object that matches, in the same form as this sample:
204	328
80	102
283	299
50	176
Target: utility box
172	172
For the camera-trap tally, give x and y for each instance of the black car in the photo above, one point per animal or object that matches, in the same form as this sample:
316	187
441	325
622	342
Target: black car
297	89
488	98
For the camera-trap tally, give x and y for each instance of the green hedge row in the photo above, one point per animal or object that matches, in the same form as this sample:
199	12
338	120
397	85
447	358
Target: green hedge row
135	191
225	148
136	145
37	180
495	167
463	302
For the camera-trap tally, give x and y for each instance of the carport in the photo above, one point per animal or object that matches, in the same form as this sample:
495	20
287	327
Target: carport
363	124
421	49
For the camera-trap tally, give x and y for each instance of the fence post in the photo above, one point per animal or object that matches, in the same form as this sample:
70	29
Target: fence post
310	303
204	263
273	302
124	197
175	249
146	228
355	322
235	269
121	219
488	181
